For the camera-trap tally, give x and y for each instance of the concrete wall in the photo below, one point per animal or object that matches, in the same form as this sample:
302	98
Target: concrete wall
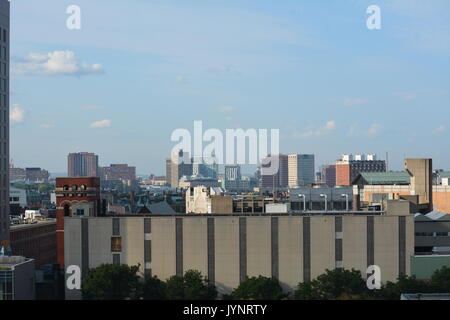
227	249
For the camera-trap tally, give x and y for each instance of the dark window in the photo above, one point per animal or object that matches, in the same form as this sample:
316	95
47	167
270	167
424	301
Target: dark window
116	244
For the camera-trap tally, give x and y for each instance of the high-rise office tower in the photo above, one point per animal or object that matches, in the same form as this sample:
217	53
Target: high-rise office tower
177	166
205	166
329	175
82	164
232	177
275	172
301	170
4	123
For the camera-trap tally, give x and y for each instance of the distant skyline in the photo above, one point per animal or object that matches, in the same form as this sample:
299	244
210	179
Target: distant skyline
139	69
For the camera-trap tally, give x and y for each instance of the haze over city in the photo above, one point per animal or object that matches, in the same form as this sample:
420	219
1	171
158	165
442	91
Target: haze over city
310	69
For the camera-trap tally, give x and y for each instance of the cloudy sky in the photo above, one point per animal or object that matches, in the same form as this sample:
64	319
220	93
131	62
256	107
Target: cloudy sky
139	69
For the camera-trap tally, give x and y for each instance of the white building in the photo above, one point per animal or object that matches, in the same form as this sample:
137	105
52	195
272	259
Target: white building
17	197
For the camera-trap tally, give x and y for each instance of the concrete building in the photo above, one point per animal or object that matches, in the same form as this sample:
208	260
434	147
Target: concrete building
4	122
121	172
17	174
75	197
432	231
208	200
177	166
414	184
206	167
17	197
301	170
34	175
348	168
228	248
17	278
82	164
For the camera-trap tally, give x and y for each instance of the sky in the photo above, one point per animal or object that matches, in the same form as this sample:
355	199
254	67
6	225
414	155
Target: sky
139	69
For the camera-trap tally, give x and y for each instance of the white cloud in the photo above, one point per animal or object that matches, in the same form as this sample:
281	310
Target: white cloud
101	124
329	126
55	63
439	129
16	114
355	101
226	109
374	130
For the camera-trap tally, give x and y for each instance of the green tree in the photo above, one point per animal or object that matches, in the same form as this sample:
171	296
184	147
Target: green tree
333	284
111	282
154	289
260	288
404	284
191	286
440	280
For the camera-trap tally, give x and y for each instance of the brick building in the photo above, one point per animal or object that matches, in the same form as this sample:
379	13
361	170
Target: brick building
36	241
75	197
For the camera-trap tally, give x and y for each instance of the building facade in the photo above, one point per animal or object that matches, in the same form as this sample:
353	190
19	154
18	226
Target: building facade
329	175
177	166
232	177
17	278
34	175
118	172
348	168
75	197
228	248
4	122
301	169
82	164
36	241
275	172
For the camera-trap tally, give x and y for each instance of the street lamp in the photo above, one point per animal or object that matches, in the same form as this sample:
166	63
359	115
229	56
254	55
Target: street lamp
323	195
344	195
304	201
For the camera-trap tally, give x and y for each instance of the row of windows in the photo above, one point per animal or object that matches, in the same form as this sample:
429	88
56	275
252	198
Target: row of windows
74	187
432	234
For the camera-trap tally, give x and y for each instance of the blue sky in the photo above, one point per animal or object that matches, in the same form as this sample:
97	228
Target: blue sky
139	69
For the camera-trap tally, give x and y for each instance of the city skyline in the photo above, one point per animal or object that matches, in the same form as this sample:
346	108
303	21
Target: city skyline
231	64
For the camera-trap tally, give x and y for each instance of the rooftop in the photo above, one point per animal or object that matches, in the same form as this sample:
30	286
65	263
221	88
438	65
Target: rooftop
384	178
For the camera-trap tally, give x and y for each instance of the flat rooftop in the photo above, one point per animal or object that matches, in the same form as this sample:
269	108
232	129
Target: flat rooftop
32	225
249	214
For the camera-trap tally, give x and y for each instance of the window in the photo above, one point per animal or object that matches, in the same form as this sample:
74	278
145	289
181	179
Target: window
116	258
116	244
80	212
74	188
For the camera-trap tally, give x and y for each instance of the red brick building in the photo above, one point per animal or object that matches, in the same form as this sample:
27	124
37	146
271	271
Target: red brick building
36	241
75	197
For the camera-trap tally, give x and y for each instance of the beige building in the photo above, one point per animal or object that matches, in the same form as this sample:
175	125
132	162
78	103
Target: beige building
228	248
300	170
208	200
